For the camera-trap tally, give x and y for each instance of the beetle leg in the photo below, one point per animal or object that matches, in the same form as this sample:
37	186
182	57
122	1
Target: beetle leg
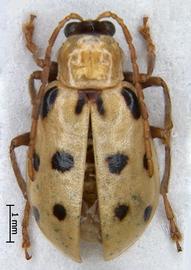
16	142
53	71
25	234
160	133
164	134
144	30
174	230
128	76
28	29
36	75
156	81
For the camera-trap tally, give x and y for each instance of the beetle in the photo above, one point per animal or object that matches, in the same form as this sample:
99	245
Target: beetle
92	167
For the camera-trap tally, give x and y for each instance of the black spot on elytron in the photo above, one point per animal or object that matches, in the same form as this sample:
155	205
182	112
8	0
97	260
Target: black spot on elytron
107	236
48	101
56	230
145	162
147	212
117	162
132	102
99	103
80	103
36	213
59	211
121	211
62	161
36	161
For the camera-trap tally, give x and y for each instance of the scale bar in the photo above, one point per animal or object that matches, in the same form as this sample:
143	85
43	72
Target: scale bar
10	240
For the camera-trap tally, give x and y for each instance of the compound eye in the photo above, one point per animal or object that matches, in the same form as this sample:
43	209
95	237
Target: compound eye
70	28
108	27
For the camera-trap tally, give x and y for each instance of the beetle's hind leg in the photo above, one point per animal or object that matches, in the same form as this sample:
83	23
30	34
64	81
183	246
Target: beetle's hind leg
151	56
28	30
164	135
174	231
21	140
25	234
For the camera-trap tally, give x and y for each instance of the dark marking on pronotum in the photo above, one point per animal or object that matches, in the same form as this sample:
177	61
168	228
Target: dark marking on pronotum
117	162
36	213
132	102
48	101
80	103
100	106
145	162
147	212
62	161
91	95
59	211
121	211
36	161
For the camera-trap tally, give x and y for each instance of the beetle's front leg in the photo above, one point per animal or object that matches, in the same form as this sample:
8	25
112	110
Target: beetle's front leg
36	75
144	30
28	29
151	56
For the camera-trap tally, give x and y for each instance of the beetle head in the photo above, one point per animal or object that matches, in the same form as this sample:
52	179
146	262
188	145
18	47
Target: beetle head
90	57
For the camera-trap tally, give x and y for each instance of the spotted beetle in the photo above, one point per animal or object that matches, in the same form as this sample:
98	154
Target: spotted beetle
92	168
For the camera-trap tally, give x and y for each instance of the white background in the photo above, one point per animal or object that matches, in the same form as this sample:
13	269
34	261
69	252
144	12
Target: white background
171	30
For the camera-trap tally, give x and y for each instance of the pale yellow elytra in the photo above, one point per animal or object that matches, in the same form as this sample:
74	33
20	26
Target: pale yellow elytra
92	168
